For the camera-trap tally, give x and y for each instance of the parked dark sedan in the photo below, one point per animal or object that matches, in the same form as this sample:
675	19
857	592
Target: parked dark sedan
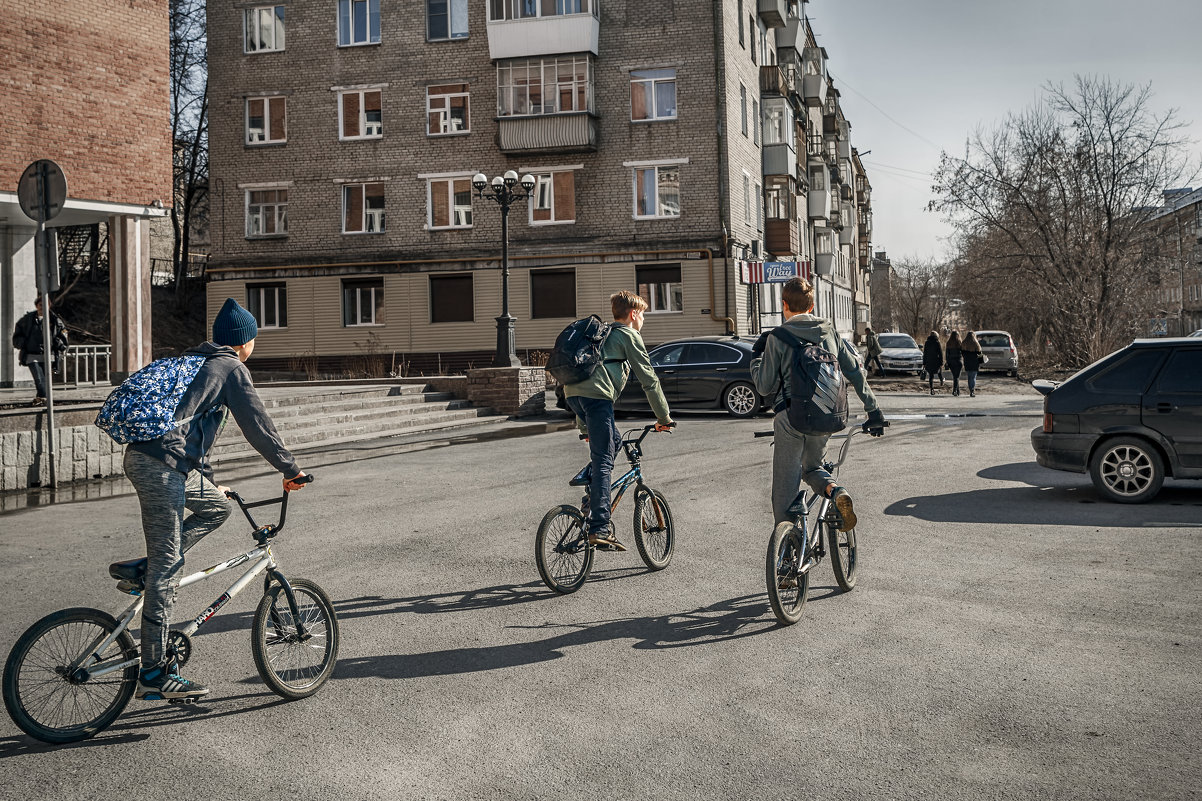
1129	420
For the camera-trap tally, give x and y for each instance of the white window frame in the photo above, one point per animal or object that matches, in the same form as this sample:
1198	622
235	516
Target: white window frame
654	293
455	212
547	66
253	17
362	121
367	9
746	197
546	179
452	35
445	113
276	288
513	9
755	121
659	201
279	211
359	292
759	206
655	83
378	217
265	131
743	108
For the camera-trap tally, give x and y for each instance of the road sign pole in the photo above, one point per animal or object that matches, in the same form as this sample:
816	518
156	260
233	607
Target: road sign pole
43	265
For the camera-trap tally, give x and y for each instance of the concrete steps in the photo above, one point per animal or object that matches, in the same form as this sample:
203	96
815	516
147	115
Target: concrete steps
327	418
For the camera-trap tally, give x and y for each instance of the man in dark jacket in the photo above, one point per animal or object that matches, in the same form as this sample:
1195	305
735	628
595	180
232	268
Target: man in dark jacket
172	474
28	339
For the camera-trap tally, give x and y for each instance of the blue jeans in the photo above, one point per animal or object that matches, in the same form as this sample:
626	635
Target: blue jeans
38	370
972	380
603	443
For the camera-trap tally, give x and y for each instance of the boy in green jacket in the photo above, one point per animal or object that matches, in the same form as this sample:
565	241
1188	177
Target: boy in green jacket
592	400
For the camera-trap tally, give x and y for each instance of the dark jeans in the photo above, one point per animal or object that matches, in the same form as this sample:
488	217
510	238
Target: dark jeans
603	443
954	368
39	377
876	360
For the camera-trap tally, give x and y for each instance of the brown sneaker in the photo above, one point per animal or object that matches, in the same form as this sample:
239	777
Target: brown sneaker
846	513
605	542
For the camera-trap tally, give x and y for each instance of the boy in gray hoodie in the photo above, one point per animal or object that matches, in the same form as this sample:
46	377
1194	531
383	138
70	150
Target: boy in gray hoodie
171	474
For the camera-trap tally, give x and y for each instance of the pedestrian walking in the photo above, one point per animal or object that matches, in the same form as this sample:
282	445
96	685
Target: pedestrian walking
28	340
932	359
973	359
873	349
955	362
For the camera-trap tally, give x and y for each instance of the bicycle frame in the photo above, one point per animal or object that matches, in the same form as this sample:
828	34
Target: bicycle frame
634	455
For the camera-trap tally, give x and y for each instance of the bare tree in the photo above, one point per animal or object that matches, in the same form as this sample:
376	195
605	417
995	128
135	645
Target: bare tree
189	130
1051	209
920	296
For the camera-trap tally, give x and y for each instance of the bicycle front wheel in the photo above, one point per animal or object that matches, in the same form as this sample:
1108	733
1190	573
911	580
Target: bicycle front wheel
50	701
562	551
843	555
787	587
654	533
295	664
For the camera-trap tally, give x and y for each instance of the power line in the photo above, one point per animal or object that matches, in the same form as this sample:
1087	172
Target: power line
919	173
885	113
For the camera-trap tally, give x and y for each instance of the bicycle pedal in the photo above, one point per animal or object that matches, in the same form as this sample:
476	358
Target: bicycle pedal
186	700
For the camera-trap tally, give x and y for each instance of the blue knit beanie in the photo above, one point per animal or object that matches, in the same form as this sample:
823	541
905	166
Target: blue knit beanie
234	325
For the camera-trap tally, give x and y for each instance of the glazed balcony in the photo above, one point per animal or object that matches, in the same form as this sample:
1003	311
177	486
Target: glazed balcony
574	132
813	89
818	198
519	28
780	159
848	215
774	13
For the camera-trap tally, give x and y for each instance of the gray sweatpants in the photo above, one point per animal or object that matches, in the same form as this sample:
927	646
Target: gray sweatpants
164	494
795	456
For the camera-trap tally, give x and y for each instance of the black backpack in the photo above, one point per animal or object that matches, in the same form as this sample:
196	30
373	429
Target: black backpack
577	350
816	394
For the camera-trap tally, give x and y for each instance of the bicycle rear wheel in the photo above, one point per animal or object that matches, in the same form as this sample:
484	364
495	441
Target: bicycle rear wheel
843	555
787	588
654	533
50	703
291	664
561	549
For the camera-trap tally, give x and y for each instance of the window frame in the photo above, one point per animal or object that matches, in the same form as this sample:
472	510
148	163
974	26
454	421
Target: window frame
362	121
452	210
508	7
351	42
383	210
548	178
278	10
278	217
281	304
451	36
653	106
743	108
534	315
510	91
470	277
659	202
445	113
653	292
266	100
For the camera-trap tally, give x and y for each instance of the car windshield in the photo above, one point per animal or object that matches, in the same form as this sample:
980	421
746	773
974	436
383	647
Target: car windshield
898	341
993	340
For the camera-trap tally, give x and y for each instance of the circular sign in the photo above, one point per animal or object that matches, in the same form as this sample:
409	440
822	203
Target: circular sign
45	204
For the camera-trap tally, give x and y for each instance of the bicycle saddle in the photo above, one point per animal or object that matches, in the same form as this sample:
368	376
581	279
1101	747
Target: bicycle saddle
132	570
582	478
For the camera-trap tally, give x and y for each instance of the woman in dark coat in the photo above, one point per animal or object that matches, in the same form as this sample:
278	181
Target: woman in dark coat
973	359
954	361
932	359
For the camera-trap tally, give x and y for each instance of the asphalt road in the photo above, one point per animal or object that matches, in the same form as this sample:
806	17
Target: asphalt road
1010	635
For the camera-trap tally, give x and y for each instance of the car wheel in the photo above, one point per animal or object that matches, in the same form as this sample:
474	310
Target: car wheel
1127	470
1012	373
740	400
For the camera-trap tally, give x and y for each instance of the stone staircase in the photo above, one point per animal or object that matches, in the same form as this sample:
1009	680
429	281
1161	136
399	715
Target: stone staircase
349	414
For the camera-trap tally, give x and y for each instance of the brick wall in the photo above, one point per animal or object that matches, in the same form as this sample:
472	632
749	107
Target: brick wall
85	83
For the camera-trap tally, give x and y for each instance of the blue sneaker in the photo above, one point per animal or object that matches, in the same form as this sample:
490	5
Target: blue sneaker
162	683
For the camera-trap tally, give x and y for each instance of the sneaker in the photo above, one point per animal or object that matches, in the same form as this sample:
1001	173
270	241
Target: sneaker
38	401
846	513
163	684
604	541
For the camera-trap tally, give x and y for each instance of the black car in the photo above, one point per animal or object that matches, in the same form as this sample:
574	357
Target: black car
1129	420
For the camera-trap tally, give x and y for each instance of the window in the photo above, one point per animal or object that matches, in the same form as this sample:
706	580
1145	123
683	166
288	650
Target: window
269	304
363	209
667	355
660	286
446	19
266	120
360	115
266	212
544	86
447	109
450	203
747	198
451	298
751	31
657	192
653	95
759	206
263	28
552	293
743	107
755	121
742	36
532	9
778	123
711	353
1129	373
363	301
766	54
779	199
358	22
1183	374
554	199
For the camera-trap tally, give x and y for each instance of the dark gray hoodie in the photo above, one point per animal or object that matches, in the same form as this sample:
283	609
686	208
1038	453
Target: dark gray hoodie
222	383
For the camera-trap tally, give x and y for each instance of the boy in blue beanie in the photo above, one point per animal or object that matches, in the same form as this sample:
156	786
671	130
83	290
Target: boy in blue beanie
171	474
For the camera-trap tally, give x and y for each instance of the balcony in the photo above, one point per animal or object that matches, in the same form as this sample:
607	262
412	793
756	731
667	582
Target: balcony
792	36
824	263
813	89
848	235
511	35
818	199
780	159
773	81
782	237
548	133
815	146
774	13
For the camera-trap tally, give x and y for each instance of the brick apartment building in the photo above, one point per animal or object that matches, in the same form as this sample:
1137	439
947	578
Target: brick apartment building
86	85
1178	227
676	146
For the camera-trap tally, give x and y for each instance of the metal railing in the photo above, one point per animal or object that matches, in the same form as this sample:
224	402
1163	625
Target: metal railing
85	364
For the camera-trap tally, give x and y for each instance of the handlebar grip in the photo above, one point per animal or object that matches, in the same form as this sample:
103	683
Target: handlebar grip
305	479
759	434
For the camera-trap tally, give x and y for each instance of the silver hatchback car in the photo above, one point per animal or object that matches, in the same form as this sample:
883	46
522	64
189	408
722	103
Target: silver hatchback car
1000	353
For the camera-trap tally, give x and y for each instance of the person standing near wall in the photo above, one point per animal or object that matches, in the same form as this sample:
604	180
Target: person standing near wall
29	341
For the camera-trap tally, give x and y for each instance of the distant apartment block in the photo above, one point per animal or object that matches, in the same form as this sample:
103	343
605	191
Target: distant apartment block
674	146
1178	229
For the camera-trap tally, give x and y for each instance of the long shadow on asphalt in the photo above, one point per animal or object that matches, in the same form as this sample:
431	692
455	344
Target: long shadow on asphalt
727	620
23	745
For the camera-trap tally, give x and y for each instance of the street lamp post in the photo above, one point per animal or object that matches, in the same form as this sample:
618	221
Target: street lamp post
503	190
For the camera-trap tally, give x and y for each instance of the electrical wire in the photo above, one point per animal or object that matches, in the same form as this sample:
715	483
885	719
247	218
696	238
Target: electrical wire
885	114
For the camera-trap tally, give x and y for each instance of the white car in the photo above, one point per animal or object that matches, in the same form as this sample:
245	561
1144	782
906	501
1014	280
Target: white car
1000	353
900	354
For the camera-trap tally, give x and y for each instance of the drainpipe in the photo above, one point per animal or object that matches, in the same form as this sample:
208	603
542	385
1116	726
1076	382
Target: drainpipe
724	163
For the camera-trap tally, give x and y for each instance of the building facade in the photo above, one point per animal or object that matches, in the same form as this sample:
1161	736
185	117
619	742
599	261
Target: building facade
670	146
1178	236
86	85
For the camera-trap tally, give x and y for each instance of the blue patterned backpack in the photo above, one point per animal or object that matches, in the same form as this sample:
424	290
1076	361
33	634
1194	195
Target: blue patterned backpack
143	407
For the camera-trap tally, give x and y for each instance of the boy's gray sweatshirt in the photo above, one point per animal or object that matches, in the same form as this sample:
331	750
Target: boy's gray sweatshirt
222	383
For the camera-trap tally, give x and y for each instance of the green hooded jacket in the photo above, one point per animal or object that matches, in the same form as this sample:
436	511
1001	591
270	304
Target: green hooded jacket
623	352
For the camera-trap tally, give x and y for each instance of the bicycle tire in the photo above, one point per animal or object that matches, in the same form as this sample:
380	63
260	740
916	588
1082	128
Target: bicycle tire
786	603
561	550
274	627
46	647
654	533
843	555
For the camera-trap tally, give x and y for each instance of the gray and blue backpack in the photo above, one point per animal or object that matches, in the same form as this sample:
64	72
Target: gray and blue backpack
143	407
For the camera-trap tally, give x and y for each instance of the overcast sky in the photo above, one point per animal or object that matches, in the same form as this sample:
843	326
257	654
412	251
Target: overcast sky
939	68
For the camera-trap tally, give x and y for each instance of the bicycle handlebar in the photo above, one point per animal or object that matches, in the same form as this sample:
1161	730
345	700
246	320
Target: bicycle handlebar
267	531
